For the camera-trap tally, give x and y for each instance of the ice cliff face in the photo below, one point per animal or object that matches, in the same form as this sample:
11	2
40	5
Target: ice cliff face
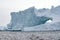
34	19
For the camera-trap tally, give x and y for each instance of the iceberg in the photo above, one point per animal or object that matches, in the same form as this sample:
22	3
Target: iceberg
32	19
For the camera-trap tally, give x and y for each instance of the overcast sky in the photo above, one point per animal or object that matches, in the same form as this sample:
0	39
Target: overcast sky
7	6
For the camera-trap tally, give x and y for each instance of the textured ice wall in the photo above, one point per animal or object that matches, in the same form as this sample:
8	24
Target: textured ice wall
33	18
26	18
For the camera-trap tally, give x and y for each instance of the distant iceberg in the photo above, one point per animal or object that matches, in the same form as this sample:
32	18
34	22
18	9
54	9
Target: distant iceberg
33	19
